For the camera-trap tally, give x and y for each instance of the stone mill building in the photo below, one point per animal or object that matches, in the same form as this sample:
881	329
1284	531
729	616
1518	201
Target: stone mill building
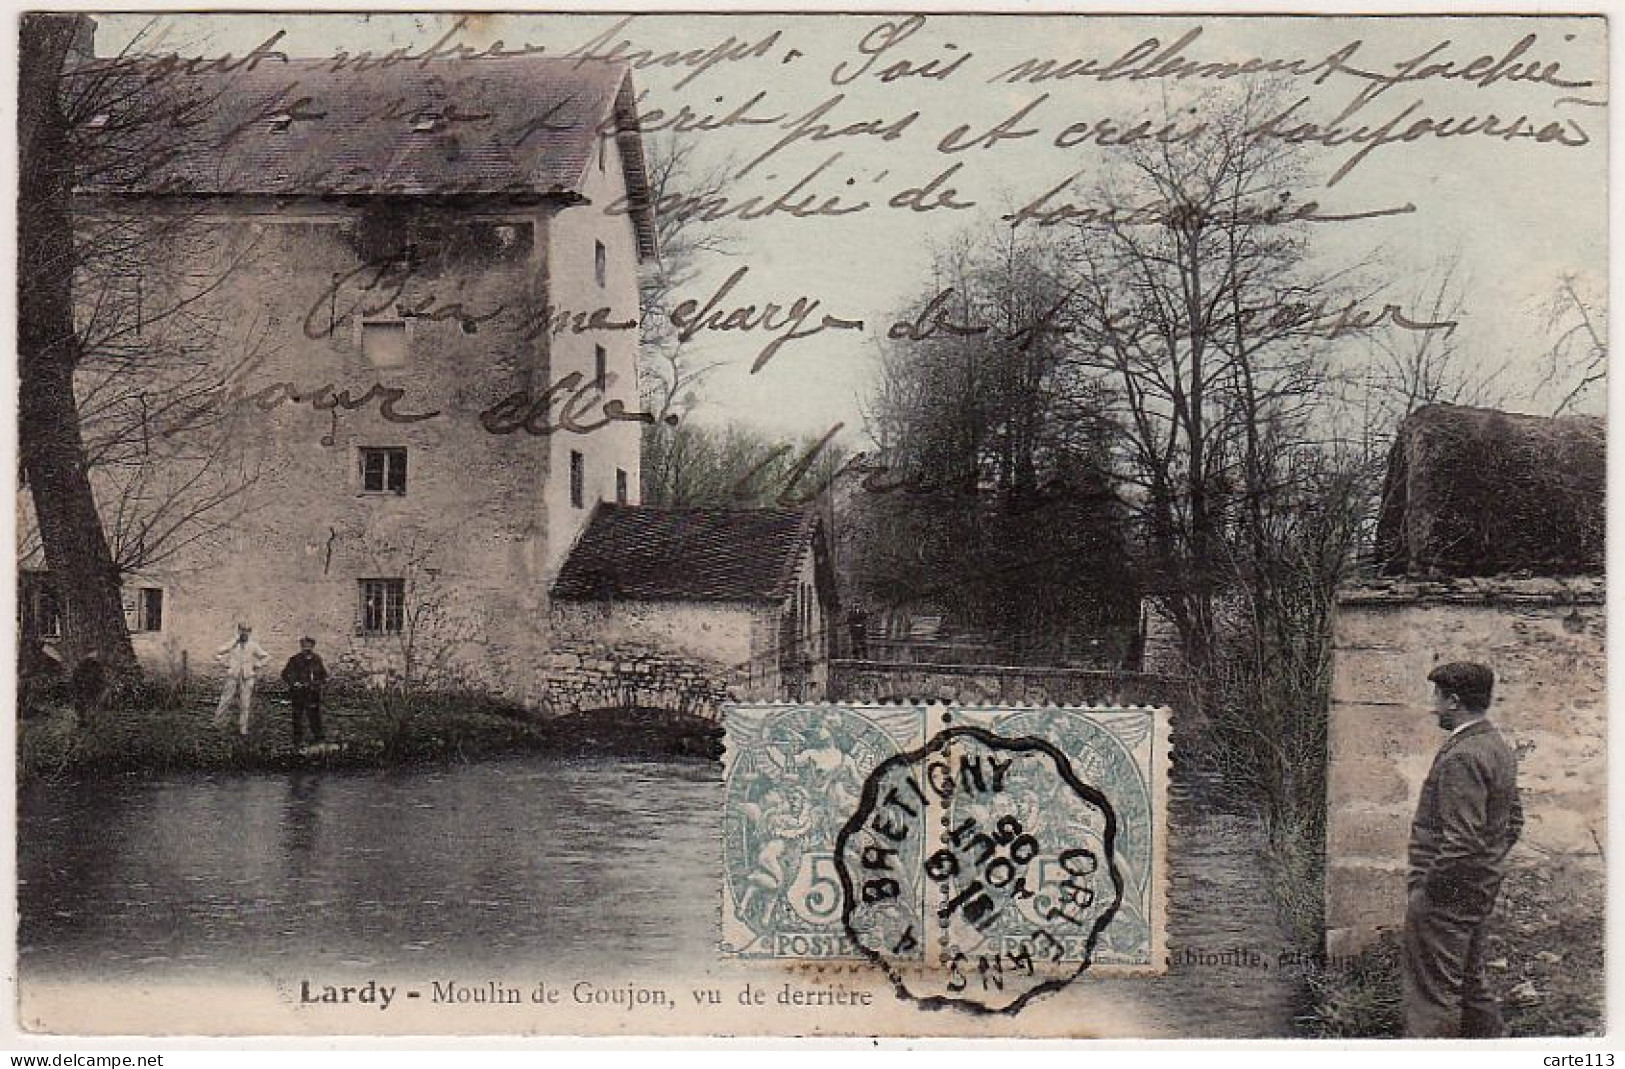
414	289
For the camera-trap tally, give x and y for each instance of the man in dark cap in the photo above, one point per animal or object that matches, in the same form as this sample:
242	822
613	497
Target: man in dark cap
1467	819
304	674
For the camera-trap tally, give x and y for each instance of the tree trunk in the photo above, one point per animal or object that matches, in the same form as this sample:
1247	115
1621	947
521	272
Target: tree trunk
53	454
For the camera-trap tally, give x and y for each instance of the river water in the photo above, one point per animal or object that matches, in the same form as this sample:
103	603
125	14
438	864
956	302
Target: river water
591	866
514	860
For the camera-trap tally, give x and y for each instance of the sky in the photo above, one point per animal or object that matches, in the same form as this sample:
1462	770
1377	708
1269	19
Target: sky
1519	213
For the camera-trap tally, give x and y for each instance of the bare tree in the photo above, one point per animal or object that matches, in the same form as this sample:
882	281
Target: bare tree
680	185
49	350
1577	359
1196	303
1408	368
159	401
737	466
128	413
671	370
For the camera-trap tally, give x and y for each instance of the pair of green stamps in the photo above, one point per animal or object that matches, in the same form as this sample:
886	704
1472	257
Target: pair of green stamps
980	856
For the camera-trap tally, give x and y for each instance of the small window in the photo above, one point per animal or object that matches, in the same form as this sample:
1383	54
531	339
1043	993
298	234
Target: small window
600	262
383	471
383	606
578	479
620	486
600	377
149	609
383	343
45	613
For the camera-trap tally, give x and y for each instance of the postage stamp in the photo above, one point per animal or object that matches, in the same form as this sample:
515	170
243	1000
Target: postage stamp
977	855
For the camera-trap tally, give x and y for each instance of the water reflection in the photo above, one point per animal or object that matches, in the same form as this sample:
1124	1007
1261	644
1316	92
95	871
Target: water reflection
526	860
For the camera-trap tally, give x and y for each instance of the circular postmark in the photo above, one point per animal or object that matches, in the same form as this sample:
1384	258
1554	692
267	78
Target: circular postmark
1013	879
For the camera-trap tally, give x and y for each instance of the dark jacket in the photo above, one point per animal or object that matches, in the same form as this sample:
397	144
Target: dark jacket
1467	818
304	672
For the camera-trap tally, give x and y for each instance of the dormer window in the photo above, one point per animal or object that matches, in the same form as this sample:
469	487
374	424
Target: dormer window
97	121
426	124
281	121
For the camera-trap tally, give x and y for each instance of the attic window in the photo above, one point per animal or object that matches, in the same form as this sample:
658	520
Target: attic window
426	124
97	121
281	121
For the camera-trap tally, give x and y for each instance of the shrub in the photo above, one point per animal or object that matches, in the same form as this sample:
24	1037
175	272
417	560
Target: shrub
1357	998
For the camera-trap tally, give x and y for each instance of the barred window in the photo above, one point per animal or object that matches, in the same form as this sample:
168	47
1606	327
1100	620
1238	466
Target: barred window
149	609
42	613
383	606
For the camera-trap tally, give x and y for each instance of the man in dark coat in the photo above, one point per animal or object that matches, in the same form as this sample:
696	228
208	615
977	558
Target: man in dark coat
1467	819
304	674
89	688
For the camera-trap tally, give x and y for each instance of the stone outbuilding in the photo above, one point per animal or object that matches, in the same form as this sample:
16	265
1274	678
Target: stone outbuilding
1491	548
688	603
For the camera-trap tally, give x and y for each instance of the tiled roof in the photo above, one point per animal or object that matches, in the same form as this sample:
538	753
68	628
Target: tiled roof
688	554
522	124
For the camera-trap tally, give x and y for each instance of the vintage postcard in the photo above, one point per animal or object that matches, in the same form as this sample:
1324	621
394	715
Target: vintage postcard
810	524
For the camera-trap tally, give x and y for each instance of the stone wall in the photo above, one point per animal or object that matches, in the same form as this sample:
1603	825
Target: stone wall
588	678
1545	640
872	681
720	632
728	640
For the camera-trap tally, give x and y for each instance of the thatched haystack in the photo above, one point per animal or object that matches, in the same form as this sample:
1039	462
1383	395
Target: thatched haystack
1474	492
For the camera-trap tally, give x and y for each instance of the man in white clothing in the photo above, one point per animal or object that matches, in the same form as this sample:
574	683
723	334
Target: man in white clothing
242	659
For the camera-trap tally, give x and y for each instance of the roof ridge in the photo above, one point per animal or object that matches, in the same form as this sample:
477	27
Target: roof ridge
746	510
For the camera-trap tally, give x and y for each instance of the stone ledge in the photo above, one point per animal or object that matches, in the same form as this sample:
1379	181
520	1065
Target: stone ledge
1574	590
926	668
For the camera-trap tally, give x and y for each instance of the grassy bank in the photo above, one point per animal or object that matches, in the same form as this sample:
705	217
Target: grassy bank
1545	960
149	734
